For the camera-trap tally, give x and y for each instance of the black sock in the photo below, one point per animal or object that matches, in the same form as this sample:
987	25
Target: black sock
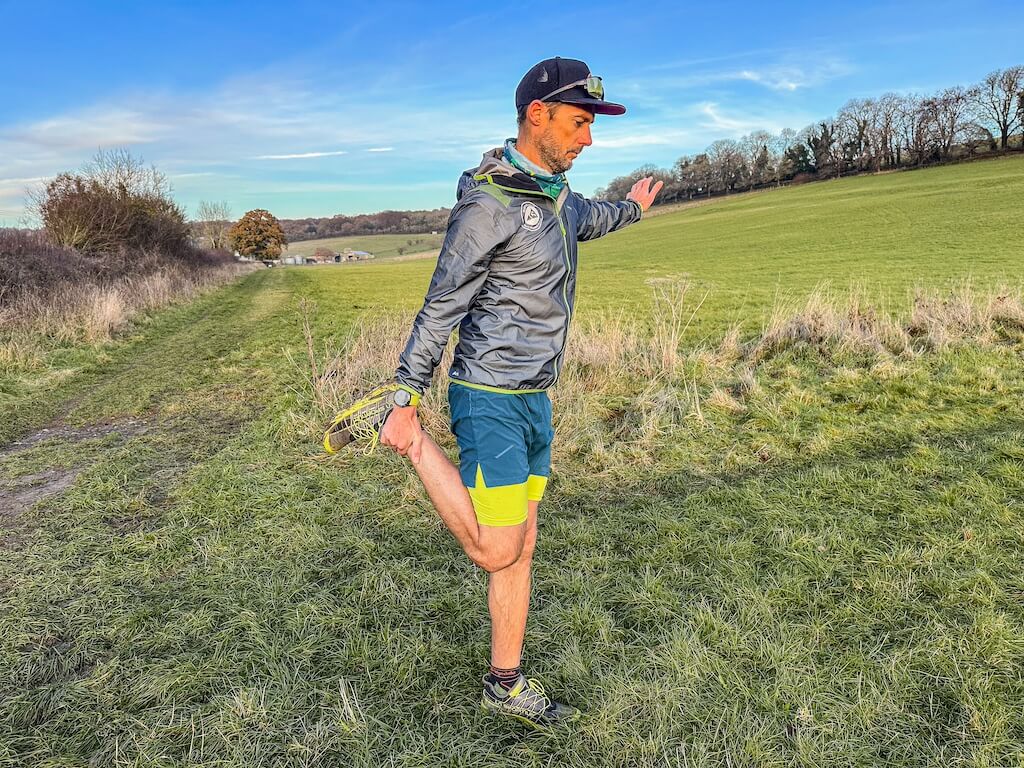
507	677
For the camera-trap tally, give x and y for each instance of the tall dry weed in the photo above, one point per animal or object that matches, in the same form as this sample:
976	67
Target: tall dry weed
342	370
830	322
95	312
628	384
938	320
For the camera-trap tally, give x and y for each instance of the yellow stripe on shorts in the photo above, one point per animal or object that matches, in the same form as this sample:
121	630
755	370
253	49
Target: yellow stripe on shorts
500	505
535	485
505	504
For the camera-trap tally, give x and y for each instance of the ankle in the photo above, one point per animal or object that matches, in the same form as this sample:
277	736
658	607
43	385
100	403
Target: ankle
505	677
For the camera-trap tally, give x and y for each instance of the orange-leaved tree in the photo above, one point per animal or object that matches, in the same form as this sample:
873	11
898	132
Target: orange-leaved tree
258	234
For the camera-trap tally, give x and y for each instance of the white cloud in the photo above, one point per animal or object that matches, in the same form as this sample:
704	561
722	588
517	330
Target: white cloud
90	129
380	149
775	82
633	140
788	74
10	183
302	155
716	120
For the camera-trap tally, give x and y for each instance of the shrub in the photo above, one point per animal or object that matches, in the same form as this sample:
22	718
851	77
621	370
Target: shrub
28	261
30	264
115	202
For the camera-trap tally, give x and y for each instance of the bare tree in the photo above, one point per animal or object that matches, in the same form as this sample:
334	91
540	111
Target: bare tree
778	148
727	165
1020	115
213	221
997	101
975	135
887	147
855	127
949	111
916	126
756	149
691	177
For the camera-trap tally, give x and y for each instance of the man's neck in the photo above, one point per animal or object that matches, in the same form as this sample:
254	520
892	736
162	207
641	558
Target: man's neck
531	153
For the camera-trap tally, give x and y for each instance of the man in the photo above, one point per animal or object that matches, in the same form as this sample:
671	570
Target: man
506	276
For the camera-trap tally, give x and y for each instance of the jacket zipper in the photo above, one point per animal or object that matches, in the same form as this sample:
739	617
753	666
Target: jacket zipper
565	254
565	289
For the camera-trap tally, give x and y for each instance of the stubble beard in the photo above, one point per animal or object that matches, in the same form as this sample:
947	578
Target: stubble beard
551	154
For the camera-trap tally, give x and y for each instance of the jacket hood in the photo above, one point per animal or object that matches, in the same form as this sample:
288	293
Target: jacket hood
499	171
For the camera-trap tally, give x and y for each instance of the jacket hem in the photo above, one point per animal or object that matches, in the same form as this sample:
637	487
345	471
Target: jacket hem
499	390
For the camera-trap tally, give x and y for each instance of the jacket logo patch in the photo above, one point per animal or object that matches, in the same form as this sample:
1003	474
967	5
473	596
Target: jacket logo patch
531	217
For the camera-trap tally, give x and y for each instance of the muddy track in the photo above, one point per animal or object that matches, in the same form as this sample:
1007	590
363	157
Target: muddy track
19	492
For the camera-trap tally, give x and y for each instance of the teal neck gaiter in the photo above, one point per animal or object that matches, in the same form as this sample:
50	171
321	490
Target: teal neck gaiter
552	184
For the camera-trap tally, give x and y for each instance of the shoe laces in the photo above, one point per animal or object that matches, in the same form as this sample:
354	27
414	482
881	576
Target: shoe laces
534	684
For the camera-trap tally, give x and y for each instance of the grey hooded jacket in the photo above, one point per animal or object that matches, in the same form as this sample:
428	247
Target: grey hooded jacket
506	275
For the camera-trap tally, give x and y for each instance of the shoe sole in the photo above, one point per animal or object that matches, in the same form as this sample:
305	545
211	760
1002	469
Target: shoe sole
527	721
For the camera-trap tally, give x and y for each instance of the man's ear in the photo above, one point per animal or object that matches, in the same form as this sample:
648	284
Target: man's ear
537	113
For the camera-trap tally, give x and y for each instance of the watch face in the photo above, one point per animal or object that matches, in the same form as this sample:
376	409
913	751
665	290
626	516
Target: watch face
402	398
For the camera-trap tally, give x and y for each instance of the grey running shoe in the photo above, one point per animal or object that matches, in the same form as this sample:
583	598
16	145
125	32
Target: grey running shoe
527	702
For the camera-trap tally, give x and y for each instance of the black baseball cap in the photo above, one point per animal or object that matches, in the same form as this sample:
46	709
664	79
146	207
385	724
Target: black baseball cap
568	81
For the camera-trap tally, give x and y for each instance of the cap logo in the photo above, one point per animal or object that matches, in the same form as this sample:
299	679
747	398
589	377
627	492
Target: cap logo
543	76
531	217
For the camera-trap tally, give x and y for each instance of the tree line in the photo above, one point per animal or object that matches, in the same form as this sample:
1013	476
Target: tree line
383	223
890	132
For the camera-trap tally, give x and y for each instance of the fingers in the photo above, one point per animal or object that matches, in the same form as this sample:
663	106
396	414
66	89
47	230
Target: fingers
407	441
644	193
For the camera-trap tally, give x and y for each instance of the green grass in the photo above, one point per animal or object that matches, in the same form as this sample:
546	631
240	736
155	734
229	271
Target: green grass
829	575
381	246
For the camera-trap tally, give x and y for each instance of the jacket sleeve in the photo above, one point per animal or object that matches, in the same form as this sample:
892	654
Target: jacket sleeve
462	266
597	219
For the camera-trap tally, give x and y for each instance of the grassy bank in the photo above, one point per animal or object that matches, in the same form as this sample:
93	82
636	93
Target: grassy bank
774	543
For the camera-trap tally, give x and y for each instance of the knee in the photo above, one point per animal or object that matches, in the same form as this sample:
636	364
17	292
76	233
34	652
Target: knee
497	559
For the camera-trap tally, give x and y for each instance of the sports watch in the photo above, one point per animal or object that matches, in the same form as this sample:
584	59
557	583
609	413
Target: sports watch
401	398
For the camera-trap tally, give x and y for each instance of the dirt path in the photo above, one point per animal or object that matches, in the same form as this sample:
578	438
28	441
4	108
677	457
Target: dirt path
176	385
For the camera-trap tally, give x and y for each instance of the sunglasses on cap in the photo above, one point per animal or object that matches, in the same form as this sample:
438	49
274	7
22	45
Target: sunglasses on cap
592	83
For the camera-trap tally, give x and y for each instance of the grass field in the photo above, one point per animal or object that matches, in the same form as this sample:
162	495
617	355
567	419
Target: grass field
381	246
809	555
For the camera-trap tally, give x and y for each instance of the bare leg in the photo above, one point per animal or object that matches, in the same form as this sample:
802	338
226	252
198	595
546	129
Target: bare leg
491	547
508	597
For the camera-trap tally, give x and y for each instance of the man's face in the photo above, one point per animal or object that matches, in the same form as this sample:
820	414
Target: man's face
563	137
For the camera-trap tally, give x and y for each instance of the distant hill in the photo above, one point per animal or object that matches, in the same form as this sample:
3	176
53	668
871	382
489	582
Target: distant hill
383	223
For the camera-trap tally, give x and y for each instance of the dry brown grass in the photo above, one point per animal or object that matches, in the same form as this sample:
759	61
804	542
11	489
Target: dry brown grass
936	321
627	385
93	312
340	371
841	323
828	321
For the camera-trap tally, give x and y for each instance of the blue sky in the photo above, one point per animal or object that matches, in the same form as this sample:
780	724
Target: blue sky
337	107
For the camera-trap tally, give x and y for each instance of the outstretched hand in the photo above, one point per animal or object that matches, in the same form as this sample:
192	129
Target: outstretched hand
643	193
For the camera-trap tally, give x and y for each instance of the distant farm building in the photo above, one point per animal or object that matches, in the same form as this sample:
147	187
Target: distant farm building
349	255
327	256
